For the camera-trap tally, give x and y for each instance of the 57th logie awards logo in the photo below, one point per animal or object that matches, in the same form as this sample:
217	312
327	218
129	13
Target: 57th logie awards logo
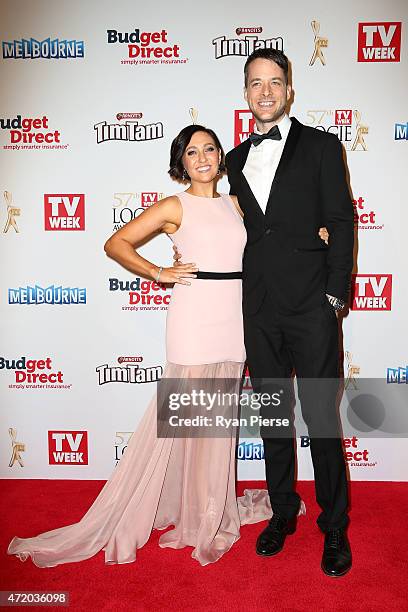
346	124
17	448
12	213
352	371
319	43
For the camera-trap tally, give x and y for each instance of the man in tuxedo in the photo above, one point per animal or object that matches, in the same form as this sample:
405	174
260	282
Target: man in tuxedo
290	180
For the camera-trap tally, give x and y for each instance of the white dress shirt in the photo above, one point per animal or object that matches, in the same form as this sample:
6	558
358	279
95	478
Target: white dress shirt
262	162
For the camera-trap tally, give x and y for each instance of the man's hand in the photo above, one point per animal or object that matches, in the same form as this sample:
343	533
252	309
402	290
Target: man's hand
324	234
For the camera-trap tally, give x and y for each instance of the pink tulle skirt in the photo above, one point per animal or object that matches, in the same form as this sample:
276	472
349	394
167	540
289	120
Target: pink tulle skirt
187	483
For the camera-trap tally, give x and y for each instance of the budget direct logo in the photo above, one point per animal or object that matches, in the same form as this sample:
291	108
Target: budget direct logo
131	372
346	124
64	212
397	375
143	47
49	48
371	291
141	294
244	123
129	205
401	131
379	41
30	295
365	219
32	133
28	373
353	454
130	130
227	47
68	447
356	456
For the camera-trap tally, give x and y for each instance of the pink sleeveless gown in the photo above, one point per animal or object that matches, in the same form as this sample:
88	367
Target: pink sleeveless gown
185	482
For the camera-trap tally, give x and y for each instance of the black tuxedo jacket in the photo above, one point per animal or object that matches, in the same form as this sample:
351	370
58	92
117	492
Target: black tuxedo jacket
284	254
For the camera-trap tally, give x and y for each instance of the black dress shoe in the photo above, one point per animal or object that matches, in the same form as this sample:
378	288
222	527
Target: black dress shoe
270	541
336	560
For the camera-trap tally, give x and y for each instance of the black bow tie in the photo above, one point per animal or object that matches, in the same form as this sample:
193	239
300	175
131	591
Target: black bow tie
273	134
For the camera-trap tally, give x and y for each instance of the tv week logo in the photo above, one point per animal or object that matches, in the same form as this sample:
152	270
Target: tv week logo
244	123
147	198
68	447
371	291
64	212
379	41
343	117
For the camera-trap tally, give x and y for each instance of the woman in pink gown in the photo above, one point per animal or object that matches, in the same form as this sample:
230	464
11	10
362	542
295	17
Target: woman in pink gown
187	482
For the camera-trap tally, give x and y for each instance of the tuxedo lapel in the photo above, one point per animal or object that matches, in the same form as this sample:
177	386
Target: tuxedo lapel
287	154
243	151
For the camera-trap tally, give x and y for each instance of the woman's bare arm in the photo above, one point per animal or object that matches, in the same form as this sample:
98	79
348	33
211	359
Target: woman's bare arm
162	217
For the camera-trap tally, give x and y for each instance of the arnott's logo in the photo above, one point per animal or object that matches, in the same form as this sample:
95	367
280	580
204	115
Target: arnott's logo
147	47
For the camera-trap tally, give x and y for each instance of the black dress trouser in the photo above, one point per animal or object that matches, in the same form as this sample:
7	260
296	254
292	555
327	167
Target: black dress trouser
308	343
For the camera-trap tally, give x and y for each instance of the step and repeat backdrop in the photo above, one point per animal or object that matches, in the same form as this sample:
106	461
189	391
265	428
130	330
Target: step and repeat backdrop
93	94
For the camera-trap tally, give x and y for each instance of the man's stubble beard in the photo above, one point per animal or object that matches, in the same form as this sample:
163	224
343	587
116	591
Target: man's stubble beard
274	119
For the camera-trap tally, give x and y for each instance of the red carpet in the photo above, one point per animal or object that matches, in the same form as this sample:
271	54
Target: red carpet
241	580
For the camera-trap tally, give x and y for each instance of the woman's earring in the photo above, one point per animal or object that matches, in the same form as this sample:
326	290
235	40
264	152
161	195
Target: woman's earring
185	175
218	171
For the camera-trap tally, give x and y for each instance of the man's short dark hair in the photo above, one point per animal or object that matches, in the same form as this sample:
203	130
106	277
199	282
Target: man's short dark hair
180	144
274	55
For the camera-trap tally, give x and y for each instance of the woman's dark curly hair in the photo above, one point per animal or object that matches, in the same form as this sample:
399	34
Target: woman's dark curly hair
180	144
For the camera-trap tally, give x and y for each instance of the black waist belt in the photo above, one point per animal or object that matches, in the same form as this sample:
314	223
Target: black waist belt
218	275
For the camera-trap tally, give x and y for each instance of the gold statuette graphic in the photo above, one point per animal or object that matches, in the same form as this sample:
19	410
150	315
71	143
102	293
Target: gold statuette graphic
362	130
194	115
17	448
352	371
12	212
319	43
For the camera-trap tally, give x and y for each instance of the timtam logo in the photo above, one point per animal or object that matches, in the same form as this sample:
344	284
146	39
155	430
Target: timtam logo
130	130
225	47
64	211
379	41
371	291
244	123
130	373
68	447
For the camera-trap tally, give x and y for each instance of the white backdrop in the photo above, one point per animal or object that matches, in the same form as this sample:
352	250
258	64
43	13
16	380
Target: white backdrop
54	168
